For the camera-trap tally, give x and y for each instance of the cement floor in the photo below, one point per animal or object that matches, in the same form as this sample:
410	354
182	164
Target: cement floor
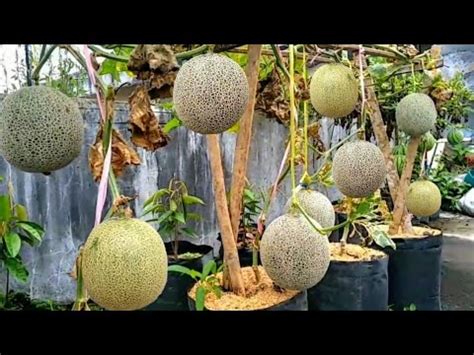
457	284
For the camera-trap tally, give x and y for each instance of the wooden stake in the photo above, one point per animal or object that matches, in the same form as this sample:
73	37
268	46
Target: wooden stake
400	201
383	142
242	146
231	256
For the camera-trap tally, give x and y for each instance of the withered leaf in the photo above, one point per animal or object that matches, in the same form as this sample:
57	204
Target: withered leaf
120	206
122	155
157	64
145	128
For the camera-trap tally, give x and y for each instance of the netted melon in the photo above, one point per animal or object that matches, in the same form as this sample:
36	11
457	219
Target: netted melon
124	264
334	90
41	129
358	169
423	198
316	205
210	93
293	254
416	114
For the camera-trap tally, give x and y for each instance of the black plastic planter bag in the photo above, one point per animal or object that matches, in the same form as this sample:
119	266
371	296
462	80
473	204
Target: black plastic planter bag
352	286
414	271
174	296
297	303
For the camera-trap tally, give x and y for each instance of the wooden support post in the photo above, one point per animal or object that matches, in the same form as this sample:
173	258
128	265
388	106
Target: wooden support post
231	256
242	146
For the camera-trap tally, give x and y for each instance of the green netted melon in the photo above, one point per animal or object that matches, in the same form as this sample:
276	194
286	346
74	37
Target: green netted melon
358	169
316	205
293	254
210	93
334	90
423	198
41	129
416	114
124	264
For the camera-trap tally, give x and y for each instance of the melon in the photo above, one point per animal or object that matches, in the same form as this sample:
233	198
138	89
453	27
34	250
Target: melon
316	205
41	129
423	198
210	93
293	254
358	169
334	91
416	114
124	264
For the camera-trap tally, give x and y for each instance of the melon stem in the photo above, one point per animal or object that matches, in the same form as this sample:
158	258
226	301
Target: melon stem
343	241
292	121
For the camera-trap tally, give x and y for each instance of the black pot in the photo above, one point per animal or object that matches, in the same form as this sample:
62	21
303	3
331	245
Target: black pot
297	303
352	286
245	255
174	296
414	271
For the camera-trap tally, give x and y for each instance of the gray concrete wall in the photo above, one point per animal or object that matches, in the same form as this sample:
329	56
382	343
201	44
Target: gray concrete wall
64	202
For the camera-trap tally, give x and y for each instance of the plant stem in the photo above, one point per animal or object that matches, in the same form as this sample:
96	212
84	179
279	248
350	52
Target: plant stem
192	52
343	240
292	121
279	61
362	90
305	117
7	288
81	294
175	243
255	250
107	55
44	58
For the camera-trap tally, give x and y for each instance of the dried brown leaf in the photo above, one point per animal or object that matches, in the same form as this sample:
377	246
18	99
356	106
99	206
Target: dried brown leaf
145	128
122	155
157	64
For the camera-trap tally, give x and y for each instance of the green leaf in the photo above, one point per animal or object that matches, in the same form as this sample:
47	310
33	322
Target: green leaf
5	211
200	298
173	205
184	270
13	243
21	213
33	229
363	208
172	124
382	239
208	268
114	68
217	291
189	232
192	200
235	128
179	217
28	239
17	269
164	216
